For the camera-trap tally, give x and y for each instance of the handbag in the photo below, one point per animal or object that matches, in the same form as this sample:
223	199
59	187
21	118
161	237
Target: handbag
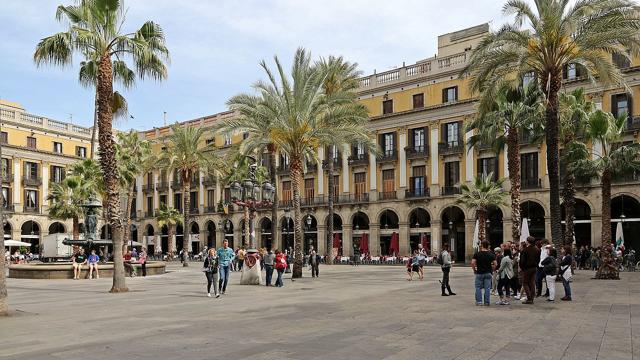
566	273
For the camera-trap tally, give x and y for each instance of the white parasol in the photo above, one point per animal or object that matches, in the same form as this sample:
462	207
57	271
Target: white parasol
476	237
524	230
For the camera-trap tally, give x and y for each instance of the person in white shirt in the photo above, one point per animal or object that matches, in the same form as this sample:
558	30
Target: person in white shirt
540	276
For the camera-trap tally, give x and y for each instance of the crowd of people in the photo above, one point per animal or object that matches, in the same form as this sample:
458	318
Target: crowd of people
132	258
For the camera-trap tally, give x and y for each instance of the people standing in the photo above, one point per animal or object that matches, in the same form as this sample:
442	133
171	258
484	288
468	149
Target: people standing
505	276
269	262
79	259
93	264
423	258
445	264
225	256
210	268
550	267
529	260
314	262
540	276
565	272
494	276
281	265
143	261
483	264
240	257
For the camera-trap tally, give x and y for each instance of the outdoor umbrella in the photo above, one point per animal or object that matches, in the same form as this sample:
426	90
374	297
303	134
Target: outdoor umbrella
619	236
395	246
336	241
364	244
424	241
524	230
476	237
12	243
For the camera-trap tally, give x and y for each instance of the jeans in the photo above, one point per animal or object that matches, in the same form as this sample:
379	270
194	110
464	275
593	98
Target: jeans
483	281
224	278
269	270
212	279
445	279
504	283
279	280
529	283
240	264
315	269
539	277
144	268
551	286
567	287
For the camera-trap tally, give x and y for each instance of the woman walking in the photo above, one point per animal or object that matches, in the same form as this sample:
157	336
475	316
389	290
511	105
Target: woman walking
210	269
550	268
565	272
505	274
445	264
281	265
143	261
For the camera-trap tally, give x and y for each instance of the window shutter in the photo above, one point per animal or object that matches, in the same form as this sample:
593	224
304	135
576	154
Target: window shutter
443	136
630	107
496	168
456	170
614	105
381	141
565	71
444	95
460	132
479	168
52	174
456	92
425	131
395	141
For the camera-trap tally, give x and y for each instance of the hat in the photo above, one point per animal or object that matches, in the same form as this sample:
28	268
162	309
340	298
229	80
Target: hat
498	249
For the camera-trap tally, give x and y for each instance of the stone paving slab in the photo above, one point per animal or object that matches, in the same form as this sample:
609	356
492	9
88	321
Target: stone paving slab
368	312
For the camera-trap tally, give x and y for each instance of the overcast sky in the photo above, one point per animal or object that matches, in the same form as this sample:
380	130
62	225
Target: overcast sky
216	45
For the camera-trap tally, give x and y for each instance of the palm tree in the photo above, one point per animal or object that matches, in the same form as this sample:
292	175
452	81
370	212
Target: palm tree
339	86
575	109
556	35
186	157
504	116
306	119
135	157
95	30
614	160
171	217
481	194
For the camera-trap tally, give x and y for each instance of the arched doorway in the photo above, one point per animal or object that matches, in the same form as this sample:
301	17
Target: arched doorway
149	236
211	234
335	243
626	209
419	229
194	238
266	233
106	233
7	230
581	223
310	227
389	225
30	232
228	231
179	238
287	233
164	239
133	235
360	229
453	232
56	228
494	230
534	213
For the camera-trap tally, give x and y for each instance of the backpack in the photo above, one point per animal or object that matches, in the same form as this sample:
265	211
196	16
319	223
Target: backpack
551	266
439	260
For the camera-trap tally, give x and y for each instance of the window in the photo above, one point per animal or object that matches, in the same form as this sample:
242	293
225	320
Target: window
211	198
6	200
286	191
336	186
177	201
245	135
149	178
163	200
529	169
620	60
418	101
571	71
418	181
31	199
419	140
452	133
360	183
227	140
358	151
193	199
57	147
227	195
309	188
387	107
4	137
451	173
81	151
149	204
57	174
388	183
31	170
620	104
450	94
31	142
528	78
163	176
388	145
334	153
210	141
487	166
6	168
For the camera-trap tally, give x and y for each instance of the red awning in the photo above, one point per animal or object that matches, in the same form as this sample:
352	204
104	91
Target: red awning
364	244
394	247
336	241
424	241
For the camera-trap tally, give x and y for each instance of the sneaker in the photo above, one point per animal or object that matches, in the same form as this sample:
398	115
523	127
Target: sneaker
479	304
208	294
97	276
500	302
550	300
452	294
566	298
517	297
506	303
217	295
445	294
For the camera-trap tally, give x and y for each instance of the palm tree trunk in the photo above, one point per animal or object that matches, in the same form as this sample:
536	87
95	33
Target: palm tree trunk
608	269
295	173
569	201
330	204
274	206
186	243
4	301
482	224
92	155
247	241
171	243
109	168
127	220
552	130
513	163
76	228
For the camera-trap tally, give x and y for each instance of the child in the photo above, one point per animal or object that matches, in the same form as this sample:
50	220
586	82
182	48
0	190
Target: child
93	264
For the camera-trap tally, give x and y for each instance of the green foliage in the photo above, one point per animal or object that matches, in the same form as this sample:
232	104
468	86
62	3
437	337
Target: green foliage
134	156
168	216
482	193
66	197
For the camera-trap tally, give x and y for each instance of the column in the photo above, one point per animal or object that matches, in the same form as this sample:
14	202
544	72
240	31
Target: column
435	162
436	233
156	196
203	238
322	239
201	194
403	234
373	174
139	197
17	196
218	192
45	185
547	227
346	152
374	239
347	233
596	230
468	158
320	189
507	225
140	237
469	225
402	140
170	191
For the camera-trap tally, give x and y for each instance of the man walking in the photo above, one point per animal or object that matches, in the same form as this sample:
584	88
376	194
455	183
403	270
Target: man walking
445	260
313	262
225	256
269	261
529	260
483	264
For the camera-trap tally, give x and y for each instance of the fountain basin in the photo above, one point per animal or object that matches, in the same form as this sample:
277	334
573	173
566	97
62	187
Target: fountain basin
65	270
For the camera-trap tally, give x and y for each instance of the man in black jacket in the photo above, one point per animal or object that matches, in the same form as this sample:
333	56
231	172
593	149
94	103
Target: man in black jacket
529	259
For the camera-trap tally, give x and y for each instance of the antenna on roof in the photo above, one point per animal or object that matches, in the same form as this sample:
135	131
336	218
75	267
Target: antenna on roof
70	118
165	118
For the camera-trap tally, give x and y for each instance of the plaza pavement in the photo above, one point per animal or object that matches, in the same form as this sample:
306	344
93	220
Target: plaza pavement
368	312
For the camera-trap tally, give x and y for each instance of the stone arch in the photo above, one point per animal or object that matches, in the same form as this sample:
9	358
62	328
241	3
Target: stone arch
453	230
388	219
195	228
337	220
535	212
360	221
57	227
30	232
149	230
413	211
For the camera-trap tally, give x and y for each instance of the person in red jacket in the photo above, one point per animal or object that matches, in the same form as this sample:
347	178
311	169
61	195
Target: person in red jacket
281	266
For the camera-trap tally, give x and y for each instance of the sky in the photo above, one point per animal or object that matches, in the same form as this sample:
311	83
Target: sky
216	45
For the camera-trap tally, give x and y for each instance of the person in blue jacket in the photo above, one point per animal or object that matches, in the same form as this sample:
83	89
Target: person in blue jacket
225	257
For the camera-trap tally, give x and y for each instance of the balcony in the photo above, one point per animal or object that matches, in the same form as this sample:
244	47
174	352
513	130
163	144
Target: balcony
31	210
352	198
162	186
314	201
31	181
194	211
311	168
283	169
449	190
210	209
285	203
176	185
417	193
451	147
387	195
417	152
630	177
529	184
208	181
133	215
149	214
9	208
525	138
147	188
632	124
388	156
195	183
7	178
358	159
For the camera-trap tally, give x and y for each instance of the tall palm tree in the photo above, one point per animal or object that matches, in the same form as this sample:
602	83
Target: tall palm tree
575	109
541	41
481	195
185	156
96	31
304	120
67	197
505	114
135	157
170	217
614	160
340	87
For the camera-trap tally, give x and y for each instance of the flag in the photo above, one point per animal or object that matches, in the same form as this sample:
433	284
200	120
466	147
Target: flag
619	236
